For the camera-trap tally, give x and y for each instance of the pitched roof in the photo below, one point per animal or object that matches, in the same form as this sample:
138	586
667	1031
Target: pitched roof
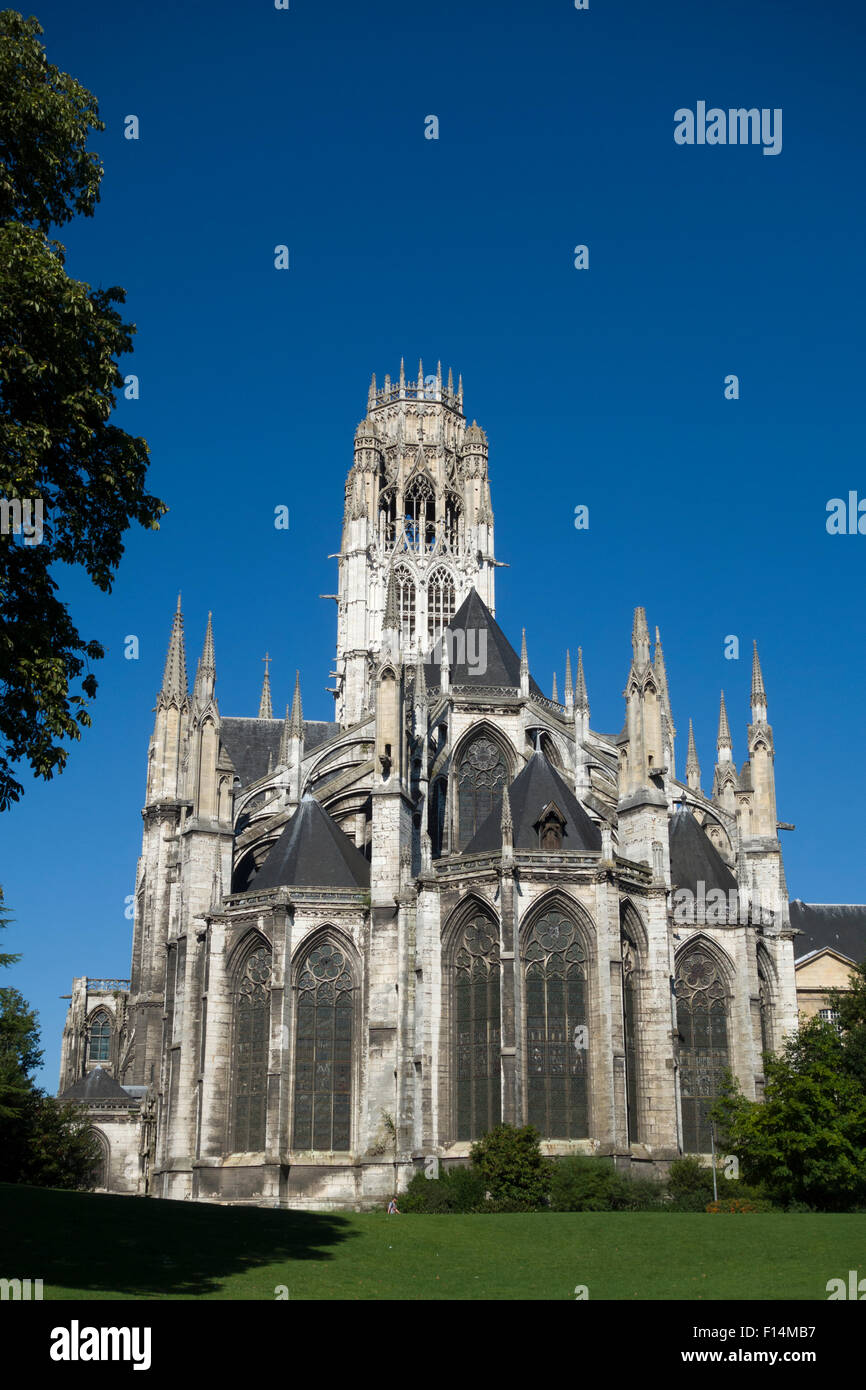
530	793
312	852
841	926
250	742
97	1085
694	858
487	660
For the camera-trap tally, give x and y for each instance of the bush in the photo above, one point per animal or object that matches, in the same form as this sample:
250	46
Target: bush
455	1190
736	1205
689	1184
593	1184
690	1188
509	1162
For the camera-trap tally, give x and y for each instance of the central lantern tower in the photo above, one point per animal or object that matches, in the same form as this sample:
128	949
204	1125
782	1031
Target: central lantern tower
418	515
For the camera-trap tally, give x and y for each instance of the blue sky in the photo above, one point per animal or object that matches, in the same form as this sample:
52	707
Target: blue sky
603	387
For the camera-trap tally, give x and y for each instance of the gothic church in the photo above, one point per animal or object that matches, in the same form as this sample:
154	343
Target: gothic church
362	943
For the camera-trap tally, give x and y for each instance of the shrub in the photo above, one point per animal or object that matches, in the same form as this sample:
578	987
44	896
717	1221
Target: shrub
510	1163
690	1187
593	1184
457	1189
735	1205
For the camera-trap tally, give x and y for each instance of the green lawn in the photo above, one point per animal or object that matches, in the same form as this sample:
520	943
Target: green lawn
88	1246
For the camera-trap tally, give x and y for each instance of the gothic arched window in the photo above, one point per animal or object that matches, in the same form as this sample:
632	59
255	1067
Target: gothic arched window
480	779
436	816
556	1028
387	517
628	951
476	1031
441	599
405	601
702	1019
323	1051
99	1037
252	1016
765	1005
420	509
453	520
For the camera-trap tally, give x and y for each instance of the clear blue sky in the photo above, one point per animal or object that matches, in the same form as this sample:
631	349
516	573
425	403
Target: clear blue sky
604	387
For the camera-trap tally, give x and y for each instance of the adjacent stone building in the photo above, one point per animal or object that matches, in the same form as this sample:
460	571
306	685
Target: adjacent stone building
361	943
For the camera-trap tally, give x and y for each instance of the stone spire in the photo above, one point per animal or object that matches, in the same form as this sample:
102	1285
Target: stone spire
205	676
392	615
693	767
524	666
174	682
420	682
640	639
506	824
284	740
554	693
581	699
668	727
569	684
296	724
266	709
292	743
662	678
724	744
759	694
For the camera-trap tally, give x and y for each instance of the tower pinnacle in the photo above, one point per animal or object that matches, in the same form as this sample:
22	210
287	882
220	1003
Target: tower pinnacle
266	709
693	767
174	680
759	694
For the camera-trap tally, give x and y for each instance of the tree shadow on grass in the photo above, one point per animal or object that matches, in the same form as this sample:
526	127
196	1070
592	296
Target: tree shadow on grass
151	1249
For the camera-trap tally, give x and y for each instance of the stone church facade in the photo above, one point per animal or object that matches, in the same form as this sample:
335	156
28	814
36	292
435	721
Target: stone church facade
360	944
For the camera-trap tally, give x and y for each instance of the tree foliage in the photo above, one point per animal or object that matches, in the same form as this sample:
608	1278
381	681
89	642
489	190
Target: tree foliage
60	341
805	1142
41	1141
511	1164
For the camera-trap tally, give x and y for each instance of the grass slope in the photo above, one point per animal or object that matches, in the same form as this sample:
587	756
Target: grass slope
101	1247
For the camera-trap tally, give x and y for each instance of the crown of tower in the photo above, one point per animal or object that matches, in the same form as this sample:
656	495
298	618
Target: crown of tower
425	388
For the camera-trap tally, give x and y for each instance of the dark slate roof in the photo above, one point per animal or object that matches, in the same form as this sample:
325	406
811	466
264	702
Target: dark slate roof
841	926
531	791
250	742
96	1086
694	858
494	662
312	852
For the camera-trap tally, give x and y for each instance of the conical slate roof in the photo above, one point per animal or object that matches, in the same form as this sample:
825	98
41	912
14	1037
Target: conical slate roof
475	659
530	793
694	858
97	1085
312	852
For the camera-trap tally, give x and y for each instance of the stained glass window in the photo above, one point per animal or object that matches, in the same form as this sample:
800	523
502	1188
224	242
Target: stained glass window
323	1052
556	1028
252	1014
702	1018
480	780
477	1079
99	1038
